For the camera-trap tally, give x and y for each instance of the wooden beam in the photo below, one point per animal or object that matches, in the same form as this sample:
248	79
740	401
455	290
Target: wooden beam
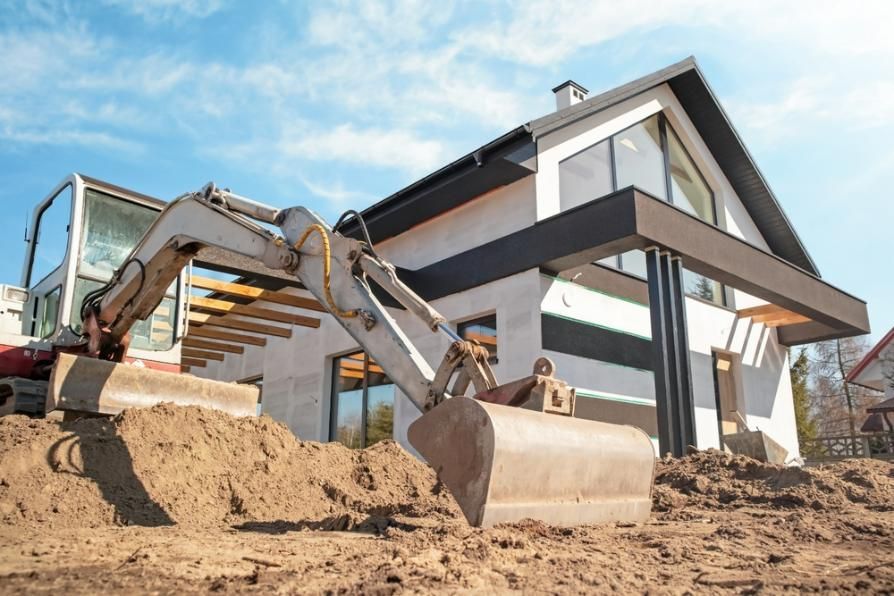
222	306
792	319
234	289
211	333
204	344
184	368
201	318
193	362
758	311
204	354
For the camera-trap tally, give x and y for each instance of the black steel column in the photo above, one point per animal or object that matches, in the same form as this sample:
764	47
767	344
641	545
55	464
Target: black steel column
664	399
670	353
684	366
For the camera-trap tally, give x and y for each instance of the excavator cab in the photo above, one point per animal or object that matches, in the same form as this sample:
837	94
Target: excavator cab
79	236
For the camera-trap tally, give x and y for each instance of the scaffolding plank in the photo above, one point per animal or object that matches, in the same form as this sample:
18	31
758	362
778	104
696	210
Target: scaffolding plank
200	318
224	307
234	289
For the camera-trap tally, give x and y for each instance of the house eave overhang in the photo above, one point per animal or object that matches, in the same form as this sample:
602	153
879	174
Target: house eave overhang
631	219
503	161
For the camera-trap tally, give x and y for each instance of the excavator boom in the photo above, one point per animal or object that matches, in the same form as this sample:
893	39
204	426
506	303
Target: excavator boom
511	451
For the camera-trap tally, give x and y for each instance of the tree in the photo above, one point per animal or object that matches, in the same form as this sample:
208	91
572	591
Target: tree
379	423
838	405
806	424
703	288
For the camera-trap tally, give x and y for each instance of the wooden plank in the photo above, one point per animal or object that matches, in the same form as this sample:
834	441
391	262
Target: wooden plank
792	319
233	289
211	333
184	368
200	318
204	344
193	362
757	311
204	354
222	306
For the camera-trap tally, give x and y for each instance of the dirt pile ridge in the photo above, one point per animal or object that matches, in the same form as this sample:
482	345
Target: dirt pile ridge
712	479
191	466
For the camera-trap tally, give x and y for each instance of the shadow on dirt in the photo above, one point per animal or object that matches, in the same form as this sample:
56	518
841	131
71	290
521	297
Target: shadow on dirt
95	451
372	524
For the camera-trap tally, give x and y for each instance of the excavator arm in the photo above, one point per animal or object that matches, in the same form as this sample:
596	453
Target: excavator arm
332	267
501	462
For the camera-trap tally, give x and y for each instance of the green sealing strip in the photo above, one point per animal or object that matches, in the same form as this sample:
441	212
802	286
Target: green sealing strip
633	401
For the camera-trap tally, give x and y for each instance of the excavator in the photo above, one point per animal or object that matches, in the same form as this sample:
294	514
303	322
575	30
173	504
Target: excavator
100	332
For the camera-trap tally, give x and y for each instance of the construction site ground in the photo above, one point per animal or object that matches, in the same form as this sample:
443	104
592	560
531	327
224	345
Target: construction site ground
175	499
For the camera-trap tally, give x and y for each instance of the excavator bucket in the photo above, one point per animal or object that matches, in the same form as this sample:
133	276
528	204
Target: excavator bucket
505	464
83	384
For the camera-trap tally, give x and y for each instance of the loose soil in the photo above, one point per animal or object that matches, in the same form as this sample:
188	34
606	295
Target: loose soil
173	499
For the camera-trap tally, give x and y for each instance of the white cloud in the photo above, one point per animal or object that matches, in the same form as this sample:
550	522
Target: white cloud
85	138
392	148
168	11
336	192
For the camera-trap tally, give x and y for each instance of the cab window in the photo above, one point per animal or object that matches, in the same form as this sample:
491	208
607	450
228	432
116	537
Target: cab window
50	237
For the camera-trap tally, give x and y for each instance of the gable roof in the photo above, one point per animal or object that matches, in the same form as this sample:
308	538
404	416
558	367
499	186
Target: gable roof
500	162
854	375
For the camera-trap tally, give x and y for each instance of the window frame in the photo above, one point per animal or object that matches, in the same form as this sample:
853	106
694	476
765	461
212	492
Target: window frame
35	236
364	399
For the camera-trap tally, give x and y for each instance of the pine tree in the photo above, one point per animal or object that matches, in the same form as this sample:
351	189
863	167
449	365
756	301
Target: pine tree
806	424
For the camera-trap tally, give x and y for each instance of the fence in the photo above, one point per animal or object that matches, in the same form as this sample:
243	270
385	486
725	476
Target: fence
875	445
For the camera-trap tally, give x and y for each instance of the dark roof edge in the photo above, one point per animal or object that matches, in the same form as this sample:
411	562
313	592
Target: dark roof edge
757	169
869	357
556	120
477	158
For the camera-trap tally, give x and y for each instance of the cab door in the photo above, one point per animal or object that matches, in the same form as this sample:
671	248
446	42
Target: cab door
48	262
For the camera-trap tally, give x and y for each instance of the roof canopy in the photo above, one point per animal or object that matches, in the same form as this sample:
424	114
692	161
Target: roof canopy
500	162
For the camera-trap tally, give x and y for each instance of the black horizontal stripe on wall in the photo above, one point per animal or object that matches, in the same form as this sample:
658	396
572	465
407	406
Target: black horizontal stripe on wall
597	343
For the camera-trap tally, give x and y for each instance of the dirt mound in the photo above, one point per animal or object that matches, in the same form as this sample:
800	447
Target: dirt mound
715	480
190	466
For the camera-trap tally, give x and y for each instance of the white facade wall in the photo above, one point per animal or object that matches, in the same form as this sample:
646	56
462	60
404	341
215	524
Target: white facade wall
297	371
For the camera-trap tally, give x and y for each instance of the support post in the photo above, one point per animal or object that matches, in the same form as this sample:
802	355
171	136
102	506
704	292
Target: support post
660	365
684	365
670	353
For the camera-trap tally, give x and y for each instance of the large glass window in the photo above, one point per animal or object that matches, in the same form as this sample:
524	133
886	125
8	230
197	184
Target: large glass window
50	237
586	176
688	189
639	157
112	227
648	155
362	402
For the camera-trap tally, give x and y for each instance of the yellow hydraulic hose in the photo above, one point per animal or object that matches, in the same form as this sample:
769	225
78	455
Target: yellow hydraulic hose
327	257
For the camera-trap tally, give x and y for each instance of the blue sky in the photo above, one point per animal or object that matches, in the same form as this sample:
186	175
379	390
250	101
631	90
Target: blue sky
336	105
